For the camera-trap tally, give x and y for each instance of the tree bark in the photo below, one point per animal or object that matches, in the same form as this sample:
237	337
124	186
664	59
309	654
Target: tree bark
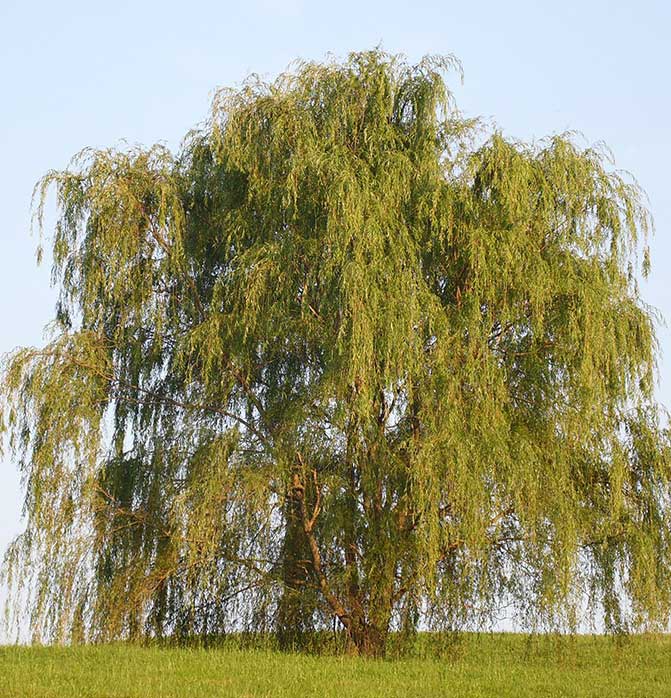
296	606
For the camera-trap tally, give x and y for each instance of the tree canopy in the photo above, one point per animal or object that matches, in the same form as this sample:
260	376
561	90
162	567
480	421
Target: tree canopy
345	354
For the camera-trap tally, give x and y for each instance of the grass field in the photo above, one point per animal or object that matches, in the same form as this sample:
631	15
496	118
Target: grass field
499	666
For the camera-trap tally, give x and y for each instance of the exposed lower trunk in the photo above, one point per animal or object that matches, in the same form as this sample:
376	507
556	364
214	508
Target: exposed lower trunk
369	631
365	617
368	639
296	606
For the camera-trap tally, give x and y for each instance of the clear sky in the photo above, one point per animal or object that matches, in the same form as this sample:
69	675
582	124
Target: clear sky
81	73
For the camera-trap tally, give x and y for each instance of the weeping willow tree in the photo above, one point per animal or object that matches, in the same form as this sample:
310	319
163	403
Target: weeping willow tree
345	355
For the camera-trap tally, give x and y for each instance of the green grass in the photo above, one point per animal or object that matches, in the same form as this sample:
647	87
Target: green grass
476	665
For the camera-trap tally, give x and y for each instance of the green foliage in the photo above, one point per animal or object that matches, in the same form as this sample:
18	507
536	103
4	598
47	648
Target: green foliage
346	355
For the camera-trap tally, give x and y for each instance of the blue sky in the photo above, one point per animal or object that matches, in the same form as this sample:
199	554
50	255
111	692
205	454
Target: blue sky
77	74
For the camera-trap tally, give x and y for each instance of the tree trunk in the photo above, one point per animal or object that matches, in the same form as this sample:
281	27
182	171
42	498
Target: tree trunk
296	606
369	640
368	632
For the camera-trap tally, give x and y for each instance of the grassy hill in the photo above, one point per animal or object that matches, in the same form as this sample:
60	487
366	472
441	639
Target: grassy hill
499	666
